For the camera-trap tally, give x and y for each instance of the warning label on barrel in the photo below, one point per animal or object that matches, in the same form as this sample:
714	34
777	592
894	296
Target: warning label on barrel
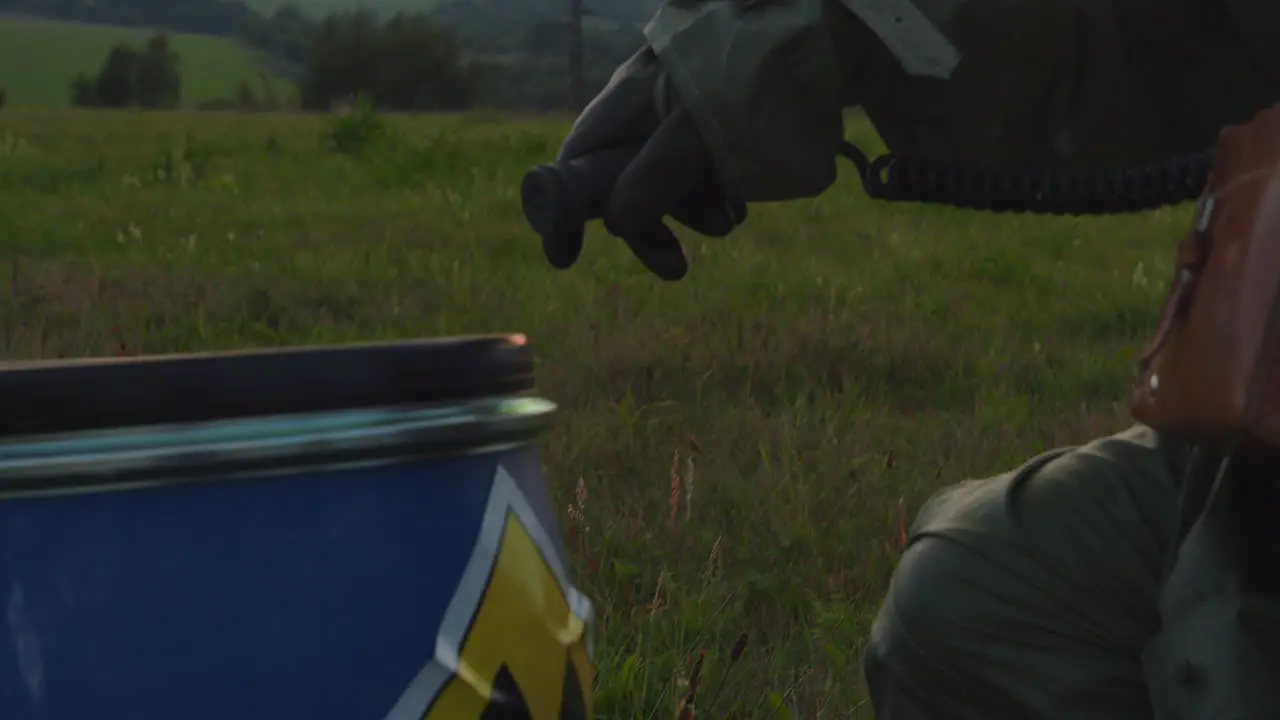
513	643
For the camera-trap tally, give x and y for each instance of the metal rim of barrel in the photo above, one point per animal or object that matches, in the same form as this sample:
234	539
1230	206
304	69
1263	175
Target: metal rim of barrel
50	397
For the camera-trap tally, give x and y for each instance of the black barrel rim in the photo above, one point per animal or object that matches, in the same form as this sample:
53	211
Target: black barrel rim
49	397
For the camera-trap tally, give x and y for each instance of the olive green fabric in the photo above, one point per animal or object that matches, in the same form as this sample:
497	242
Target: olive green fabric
1216	653
1038	84
764	81
1032	594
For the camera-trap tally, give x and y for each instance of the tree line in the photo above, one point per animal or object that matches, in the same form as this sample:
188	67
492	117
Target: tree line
407	62
502	53
149	77
404	63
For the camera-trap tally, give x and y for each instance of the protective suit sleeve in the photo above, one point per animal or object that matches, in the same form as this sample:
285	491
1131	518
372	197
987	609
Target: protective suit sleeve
765	81
1030	594
1014	84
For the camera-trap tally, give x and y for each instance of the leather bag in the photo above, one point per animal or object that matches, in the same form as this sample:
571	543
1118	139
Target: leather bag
1211	373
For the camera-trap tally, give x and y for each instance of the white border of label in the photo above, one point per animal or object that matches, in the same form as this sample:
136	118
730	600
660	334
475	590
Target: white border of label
504	498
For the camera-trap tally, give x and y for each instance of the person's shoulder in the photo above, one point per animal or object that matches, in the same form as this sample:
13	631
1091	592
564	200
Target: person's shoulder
1137	449
1137	462
1136	471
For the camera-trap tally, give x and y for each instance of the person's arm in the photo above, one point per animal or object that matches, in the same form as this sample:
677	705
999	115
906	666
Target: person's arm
996	83
766	81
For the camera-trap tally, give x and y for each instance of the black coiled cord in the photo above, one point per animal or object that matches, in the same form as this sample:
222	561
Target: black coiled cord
1042	192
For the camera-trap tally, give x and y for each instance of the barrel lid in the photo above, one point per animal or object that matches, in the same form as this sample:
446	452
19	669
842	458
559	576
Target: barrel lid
96	394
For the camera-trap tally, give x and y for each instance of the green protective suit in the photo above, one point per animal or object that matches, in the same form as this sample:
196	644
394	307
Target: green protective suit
1034	594
998	83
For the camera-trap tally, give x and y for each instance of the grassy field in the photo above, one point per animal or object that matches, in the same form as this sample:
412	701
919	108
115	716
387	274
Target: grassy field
38	59
749	442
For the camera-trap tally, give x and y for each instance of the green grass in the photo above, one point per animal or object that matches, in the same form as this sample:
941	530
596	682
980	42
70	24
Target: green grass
833	363
38	59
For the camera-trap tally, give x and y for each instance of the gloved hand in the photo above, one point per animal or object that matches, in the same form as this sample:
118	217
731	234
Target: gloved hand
634	157
767	83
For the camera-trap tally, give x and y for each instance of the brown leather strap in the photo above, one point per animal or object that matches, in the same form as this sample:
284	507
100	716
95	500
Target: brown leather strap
1191	256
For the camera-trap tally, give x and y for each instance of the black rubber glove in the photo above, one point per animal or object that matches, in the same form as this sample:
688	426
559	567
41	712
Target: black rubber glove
633	158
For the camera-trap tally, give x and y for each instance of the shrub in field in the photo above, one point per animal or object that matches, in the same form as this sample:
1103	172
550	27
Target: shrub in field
183	163
357	129
4	96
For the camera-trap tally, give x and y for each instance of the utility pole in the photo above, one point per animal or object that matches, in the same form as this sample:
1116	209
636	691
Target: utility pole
577	82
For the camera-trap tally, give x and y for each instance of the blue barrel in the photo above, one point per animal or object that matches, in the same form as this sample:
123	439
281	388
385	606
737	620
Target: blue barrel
348	533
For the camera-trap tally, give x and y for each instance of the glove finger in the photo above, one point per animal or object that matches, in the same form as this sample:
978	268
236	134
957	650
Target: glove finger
673	167
657	248
709	212
563	250
624	113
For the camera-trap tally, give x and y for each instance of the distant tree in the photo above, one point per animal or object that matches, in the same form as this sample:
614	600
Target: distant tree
148	78
84	91
246	97
270	97
159	76
407	63
117	82
285	35
546	38
4	97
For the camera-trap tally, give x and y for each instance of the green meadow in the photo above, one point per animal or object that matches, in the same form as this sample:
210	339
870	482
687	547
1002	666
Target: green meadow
738	454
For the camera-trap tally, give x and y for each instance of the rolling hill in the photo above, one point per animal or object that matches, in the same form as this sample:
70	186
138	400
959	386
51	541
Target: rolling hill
38	59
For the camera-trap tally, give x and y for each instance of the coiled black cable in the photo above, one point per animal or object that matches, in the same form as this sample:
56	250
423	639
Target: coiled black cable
898	178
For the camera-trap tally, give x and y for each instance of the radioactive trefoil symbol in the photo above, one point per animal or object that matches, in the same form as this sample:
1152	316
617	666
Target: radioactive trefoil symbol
506	702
